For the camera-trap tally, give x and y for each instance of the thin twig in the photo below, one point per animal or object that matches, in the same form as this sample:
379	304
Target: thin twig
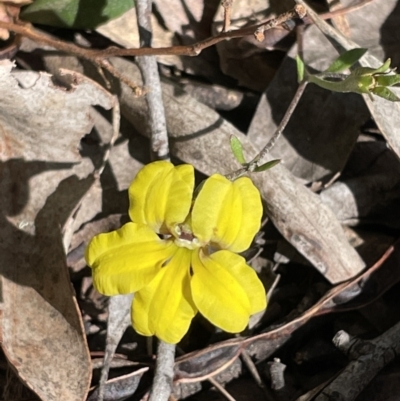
163	378
298	11
227	5
292	106
256	376
340	11
157	124
189	50
221	389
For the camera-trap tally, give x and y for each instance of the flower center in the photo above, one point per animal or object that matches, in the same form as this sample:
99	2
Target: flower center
184	237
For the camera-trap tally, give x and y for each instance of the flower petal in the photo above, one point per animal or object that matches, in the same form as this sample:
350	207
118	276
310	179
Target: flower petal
125	260
227	213
226	290
161	195
165	307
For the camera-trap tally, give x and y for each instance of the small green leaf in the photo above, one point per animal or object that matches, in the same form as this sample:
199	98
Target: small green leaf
300	69
237	149
363	71
385	93
388	80
83	14
346	60
384	67
268	165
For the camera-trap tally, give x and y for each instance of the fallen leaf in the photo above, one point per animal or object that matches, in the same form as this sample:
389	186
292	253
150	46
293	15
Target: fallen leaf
247	59
120	388
44	178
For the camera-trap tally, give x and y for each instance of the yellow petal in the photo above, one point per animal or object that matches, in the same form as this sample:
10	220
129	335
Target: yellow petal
161	195
165	308
125	260
226	290
227	213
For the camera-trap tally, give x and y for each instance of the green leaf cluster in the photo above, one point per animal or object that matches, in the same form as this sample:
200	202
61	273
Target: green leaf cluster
362	80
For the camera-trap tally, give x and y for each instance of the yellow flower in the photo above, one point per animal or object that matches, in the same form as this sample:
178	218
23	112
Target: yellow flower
179	255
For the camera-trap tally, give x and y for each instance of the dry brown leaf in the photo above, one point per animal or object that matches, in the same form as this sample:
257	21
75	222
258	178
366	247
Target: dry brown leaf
39	121
366	196
247	59
120	388
189	19
43	178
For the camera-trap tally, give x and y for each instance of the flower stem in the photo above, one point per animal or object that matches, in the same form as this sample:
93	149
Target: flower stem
162	384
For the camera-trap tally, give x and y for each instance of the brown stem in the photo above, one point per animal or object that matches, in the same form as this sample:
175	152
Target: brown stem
189	50
293	104
227	5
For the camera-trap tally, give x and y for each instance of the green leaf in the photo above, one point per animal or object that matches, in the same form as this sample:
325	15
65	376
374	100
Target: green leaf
385	93
384	67
237	149
346	60
81	14
373	71
267	165
300	69
388	80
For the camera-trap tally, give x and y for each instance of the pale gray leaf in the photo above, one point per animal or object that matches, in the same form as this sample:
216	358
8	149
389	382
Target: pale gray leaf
119	319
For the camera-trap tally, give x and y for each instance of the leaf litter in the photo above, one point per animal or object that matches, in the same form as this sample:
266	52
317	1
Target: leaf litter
53	203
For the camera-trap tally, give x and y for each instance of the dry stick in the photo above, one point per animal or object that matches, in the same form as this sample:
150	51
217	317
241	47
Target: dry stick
340	11
256	376
221	389
293	104
227	5
157	125
164	375
368	358
189	50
